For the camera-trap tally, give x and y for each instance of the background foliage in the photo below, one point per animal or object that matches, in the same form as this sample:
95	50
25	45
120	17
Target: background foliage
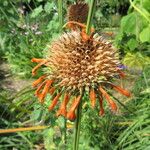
26	29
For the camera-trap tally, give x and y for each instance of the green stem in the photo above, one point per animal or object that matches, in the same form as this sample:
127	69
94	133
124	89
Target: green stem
60	14
78	126
90	16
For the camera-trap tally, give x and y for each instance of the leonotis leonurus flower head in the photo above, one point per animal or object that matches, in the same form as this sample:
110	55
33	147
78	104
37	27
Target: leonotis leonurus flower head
78	65
78	12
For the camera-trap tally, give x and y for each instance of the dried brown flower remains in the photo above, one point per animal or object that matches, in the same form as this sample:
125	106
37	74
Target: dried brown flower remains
78	12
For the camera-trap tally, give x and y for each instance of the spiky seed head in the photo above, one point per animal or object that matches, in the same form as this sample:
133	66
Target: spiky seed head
76	63
78	12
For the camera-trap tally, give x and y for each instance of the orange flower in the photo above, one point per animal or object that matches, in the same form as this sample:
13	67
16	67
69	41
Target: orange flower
63	110
37	92
101	112
92	97
45	90
78	62
71	113
39	80
122	91
52	90
54	102
109	100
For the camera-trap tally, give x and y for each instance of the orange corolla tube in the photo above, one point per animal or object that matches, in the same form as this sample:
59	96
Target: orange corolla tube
92	97
121	74
63	110
109	100
85	36
71	113
37	92
37	60
45	90
101	112
54	102
37	67
39	80
121	90
52	90
71	24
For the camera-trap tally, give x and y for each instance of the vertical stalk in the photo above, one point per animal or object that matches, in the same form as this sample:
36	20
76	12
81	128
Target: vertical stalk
78	123
90	16
78	126
60	14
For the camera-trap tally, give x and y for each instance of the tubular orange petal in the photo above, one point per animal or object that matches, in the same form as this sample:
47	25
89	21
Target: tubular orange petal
45	90
36	82
37	67
52	90
71	112
37	60
85	37
62	110
109	100
92	97
37	92
121	90
75	103
54	102
71	115
101	112
122	74
71	24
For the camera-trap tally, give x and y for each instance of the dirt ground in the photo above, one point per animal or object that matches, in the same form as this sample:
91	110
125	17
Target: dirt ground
8	81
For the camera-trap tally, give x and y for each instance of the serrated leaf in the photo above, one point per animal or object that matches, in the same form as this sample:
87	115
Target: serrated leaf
145	35
36	11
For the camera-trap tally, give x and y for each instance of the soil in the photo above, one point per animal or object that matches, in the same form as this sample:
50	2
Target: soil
9	82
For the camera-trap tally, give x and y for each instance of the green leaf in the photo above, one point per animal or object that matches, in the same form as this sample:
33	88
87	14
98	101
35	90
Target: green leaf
132	43
128	23
136	60
146	4
145	35
36	11
48	7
